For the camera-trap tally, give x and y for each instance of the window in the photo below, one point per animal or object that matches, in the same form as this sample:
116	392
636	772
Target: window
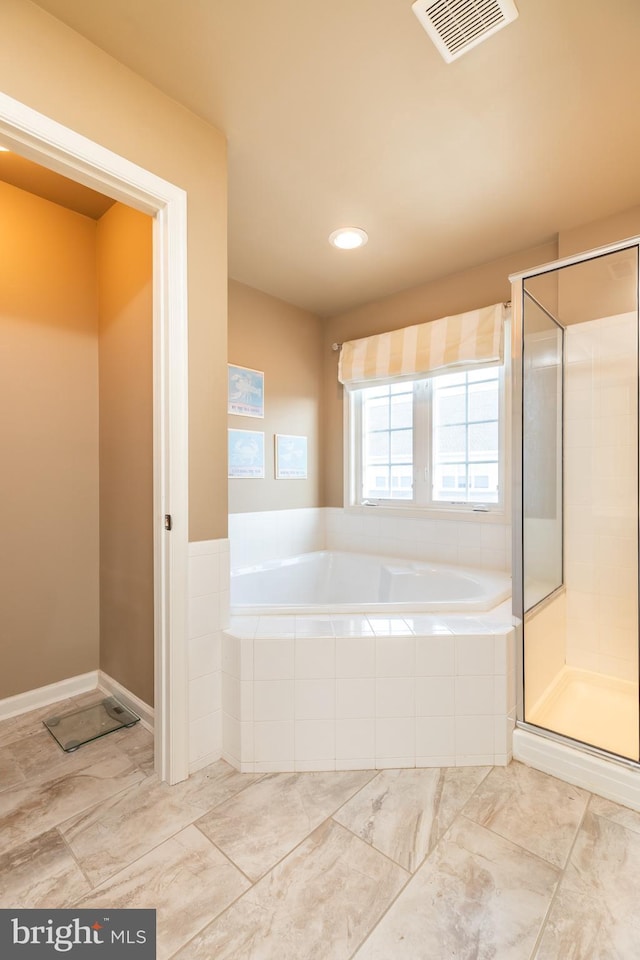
429	443
387	419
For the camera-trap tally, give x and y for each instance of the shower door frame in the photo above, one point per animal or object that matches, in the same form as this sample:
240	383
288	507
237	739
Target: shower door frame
56	147
517	300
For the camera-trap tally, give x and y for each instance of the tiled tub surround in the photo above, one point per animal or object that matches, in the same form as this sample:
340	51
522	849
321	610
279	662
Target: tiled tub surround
357	692
468	542
349	692
208	578
274	534
478	541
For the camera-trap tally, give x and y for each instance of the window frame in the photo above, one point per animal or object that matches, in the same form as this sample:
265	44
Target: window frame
422	504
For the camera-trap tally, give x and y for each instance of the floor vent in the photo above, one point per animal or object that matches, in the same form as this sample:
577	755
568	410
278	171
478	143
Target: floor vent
456	26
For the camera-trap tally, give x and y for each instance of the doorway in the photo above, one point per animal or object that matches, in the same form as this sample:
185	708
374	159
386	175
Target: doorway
57	148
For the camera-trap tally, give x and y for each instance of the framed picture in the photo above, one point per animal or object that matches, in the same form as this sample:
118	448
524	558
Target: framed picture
246	454
291	457
245	394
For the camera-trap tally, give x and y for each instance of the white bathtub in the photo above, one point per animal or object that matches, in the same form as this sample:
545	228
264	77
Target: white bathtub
334	582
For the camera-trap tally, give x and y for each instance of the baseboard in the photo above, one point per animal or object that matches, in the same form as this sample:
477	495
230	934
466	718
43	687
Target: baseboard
43	696
115	689
73	687
614	780
201	762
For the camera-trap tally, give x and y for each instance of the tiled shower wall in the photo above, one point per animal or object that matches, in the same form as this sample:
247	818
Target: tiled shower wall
272	535
601	498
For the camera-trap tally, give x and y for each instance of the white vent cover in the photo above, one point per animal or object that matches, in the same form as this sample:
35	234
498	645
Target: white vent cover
456	26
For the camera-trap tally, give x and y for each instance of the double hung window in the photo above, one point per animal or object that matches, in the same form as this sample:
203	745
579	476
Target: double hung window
429	443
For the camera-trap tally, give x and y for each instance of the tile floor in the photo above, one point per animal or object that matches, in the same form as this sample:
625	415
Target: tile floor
430	864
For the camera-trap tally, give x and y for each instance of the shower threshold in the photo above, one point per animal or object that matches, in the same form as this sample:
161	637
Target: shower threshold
591	707
74	729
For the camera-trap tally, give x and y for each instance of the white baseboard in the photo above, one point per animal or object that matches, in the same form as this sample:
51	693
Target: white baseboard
73	687
43	696
201	762
115	689
607	778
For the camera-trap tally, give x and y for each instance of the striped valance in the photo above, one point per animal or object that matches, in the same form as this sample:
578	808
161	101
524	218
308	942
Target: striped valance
458	341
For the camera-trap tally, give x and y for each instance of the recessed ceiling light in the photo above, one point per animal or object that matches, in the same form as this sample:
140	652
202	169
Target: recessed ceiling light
4	149
348	238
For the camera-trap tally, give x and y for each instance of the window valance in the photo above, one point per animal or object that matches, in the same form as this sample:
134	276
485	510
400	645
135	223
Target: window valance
458	341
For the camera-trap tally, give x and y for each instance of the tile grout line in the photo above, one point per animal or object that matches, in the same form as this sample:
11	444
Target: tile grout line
263	876
411	875
77	863
545	919
514	843
397	896
130	863
306	836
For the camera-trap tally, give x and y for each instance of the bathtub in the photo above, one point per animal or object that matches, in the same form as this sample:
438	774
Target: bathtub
336	582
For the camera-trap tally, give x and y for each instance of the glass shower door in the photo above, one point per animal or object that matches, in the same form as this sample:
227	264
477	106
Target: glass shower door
580	501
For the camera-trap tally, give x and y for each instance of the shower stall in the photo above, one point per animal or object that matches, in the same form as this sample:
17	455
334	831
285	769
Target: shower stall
575	563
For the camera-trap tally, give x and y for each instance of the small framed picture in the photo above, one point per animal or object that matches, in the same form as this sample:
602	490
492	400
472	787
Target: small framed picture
291	457
246	454
245	395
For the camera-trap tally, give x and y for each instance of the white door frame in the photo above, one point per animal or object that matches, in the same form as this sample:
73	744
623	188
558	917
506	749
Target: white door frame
52	145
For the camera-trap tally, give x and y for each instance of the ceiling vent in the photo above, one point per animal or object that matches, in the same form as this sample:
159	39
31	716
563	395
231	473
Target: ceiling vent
456	26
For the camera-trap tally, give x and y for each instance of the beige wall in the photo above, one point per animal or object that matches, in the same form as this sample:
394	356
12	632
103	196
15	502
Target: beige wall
607	285
600	232
49	440
286	343
125	305
55	71
457	293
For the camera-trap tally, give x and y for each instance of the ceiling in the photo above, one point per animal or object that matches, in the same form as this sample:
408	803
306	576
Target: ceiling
344	113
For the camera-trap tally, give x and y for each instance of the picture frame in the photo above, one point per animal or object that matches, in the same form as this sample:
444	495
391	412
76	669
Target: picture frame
291	460
245	391
246	454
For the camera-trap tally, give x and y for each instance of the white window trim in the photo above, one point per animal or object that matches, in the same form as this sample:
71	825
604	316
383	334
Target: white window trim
497	513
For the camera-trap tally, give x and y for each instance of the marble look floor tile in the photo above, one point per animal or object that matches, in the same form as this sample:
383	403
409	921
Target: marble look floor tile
595	913
404	812
186	879
26	724
269	819
138	745
39	805
40	757
6	730
476	897
10	772
317	904
630	819
537	811
108	838
40	873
